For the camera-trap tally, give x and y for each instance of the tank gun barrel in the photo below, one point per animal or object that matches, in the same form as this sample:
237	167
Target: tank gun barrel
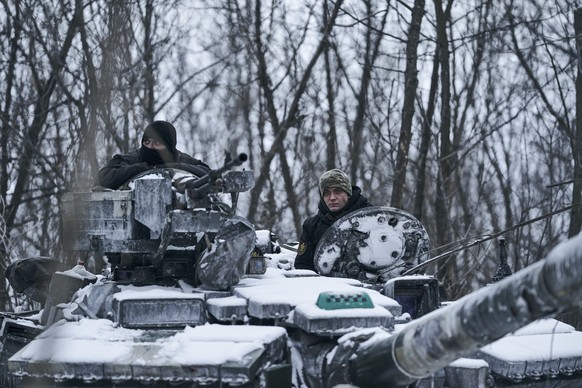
432	342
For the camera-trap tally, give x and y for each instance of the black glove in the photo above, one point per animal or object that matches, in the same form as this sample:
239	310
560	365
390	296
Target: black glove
141	167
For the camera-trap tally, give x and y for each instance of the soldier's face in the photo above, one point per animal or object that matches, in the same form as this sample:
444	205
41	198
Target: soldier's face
154	144
335	198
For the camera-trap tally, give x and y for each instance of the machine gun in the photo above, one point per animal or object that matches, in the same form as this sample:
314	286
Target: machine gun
153	231
199	188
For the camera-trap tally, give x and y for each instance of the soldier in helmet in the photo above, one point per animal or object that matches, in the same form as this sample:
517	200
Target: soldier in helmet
338	197
158	149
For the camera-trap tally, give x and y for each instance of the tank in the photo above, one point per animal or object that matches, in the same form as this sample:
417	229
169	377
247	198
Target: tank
194	296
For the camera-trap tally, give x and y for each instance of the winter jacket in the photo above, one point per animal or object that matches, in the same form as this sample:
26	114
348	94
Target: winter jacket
314	227
123	167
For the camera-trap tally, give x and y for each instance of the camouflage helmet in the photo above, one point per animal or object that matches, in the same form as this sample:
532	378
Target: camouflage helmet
335	178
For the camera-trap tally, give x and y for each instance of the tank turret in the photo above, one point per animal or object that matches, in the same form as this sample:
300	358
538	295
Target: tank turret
177	311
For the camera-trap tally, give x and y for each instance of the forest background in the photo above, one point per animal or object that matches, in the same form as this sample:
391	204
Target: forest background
462	112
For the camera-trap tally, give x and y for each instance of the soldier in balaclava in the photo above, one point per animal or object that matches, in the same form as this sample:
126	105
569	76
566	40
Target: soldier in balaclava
158	149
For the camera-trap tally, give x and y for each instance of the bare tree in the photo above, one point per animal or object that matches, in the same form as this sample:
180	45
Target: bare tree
410	85
426	137
32	134
491	90
331	137
576	214
279	126
444	183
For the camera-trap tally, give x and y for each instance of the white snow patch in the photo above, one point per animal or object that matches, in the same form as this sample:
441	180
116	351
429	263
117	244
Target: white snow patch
273	289
74	350
536	347
469	363
154	292
544	326
312	311
228	301
177	350
102	341
222	333
263	236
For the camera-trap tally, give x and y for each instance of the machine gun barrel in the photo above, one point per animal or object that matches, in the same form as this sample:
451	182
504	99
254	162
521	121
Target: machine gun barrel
202	185
432	342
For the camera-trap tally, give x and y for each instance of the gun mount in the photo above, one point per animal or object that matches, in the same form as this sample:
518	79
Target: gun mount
157	227
199	188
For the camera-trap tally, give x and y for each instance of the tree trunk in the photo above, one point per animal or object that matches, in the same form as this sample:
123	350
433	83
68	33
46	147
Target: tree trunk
371	53
148	58
445	163
425	140
410	85
281	127
576	214
331	135
4	153
574	317
448	269
33	134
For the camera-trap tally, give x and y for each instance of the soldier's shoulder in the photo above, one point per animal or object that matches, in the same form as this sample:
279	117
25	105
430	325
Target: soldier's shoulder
131	157
185	158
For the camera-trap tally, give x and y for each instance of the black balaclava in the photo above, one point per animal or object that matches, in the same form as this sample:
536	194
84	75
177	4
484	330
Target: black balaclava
165	133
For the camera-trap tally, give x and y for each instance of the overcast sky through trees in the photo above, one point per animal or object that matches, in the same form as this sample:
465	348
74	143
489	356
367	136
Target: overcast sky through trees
460	112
